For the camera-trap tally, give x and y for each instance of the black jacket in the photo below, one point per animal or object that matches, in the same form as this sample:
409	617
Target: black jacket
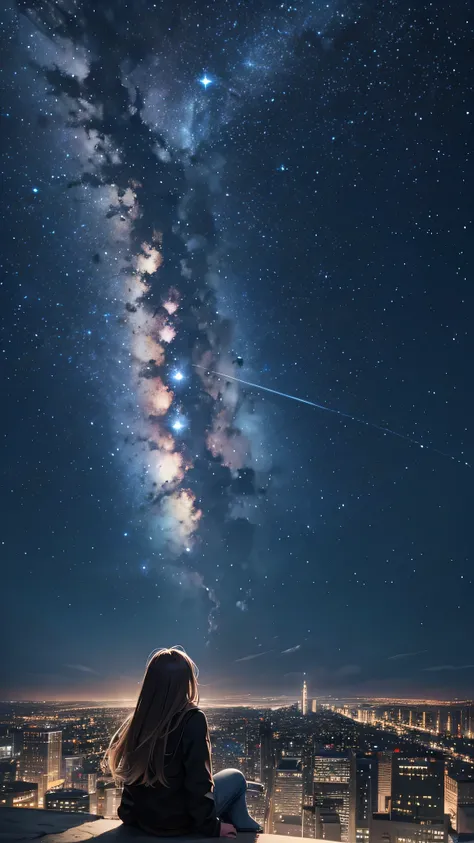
187	804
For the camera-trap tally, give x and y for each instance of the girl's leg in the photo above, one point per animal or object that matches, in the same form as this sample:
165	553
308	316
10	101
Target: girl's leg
229	796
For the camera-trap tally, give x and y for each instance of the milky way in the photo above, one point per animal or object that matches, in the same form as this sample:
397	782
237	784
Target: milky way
147	113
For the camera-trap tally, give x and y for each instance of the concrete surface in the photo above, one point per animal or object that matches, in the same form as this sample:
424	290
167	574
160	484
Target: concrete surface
19	825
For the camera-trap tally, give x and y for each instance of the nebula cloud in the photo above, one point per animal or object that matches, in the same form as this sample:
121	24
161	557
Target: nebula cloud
147	129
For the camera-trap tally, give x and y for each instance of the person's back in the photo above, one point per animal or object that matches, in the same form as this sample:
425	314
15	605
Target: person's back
178	807
162	756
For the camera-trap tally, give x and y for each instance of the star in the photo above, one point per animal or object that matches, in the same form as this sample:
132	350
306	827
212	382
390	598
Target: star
35	190
205	81
178	376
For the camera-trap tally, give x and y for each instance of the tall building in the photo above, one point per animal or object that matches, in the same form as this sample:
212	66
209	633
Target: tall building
85	781
329	826
40	759
417	789
288	798
11	742
458	793
383	829
304	699
384	777
309	829
307	760
335	790
266	753
365	776
107	798
69	801
8	770
19	795
314	706
256	801
73	764
469	722
6	747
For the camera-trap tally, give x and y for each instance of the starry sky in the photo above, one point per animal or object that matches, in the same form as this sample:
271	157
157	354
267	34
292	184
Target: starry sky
200	193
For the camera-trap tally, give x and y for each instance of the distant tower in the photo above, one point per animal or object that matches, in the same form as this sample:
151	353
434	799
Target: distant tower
304	699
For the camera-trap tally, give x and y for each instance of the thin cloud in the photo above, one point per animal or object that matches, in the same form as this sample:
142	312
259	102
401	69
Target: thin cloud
448	667
406	655
348	670
254	656
82	668
291	650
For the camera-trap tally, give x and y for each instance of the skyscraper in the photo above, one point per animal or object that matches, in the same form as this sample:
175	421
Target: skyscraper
314	706
266	753
72	766
383	829
6	747
304	699
384	768
468	722
257	801
458	793
288	798
418	789
40	759
365	775
335	790
8	769
107	798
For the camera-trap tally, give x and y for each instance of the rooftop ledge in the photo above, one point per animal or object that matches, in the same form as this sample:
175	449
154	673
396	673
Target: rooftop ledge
18	825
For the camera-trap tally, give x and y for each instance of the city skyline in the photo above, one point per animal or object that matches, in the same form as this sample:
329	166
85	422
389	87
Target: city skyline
334	774
236	319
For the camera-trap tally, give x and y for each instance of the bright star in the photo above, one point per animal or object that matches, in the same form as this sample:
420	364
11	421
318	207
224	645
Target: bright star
35	190
177	425
178	376
205	81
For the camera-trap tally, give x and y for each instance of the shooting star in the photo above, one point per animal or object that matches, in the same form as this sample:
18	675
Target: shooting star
336	412
253	656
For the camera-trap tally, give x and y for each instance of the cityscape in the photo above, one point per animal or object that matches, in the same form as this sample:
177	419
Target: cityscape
353	770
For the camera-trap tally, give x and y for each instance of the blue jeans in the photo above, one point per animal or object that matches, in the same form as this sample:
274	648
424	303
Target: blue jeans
229	797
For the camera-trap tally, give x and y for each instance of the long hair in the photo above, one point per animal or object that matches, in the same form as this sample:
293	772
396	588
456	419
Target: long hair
136	753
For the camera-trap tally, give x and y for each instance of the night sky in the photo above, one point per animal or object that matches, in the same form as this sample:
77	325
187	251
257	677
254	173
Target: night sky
280	194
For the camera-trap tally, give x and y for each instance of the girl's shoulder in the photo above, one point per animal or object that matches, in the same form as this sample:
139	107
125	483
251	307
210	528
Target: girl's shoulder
195	719
193	712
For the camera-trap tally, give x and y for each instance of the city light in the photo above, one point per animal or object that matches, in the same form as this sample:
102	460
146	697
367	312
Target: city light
292	758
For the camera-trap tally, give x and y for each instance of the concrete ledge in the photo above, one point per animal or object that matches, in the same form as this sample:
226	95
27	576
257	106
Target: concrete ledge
20	825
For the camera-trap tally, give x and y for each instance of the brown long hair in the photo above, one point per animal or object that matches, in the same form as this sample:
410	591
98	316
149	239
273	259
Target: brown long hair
136	753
